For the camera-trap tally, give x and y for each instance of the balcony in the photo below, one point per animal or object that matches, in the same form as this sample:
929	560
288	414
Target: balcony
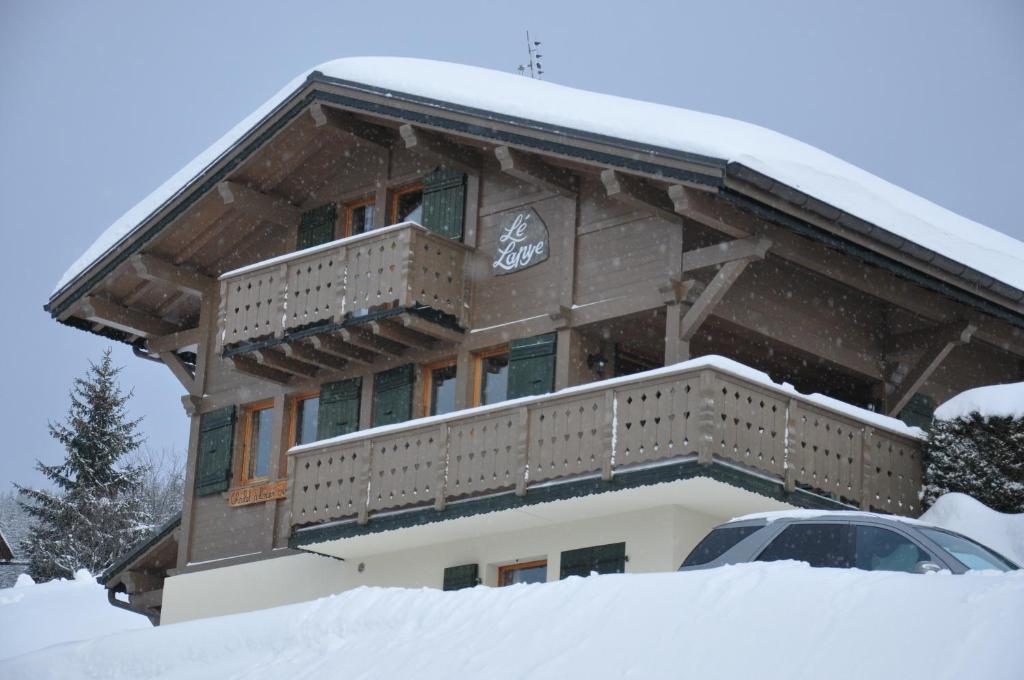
709	417
401	284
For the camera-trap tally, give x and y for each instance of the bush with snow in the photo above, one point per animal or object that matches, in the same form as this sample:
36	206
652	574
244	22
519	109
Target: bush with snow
976	447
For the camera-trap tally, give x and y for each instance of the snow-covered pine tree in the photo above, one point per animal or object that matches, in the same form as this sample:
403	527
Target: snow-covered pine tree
95	514
982	456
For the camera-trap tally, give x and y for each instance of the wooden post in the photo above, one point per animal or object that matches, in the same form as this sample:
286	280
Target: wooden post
676	349
608	426
278	322
706	418
363	501
867	462
791	436
523	449
441	479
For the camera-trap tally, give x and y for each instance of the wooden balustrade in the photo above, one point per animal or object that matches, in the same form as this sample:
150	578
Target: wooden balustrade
705	413
399	266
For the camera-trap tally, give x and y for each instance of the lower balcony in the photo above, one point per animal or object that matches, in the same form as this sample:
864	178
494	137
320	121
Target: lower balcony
708	417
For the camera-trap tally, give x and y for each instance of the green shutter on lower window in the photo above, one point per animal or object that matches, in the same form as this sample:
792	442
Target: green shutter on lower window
213	459
339	408
392	395
531	366
317	226
462	576
603	559
444	202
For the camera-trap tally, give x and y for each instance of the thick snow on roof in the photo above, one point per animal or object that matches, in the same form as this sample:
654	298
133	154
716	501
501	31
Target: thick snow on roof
991	400
34	616
783	621
786	160
811	513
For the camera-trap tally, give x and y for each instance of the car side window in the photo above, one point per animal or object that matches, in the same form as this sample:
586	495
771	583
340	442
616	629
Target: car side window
818	544
717	543
879	549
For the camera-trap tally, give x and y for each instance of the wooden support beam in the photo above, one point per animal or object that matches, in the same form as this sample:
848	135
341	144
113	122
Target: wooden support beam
338	347
189	281
931	358
309	355
903	343
637	193
175	341
277	360
453	155
434	330
532	170
346	122
110	313
710	297
259	205
248	365
183	373
711	211
371	342
150	599
727	251
390	330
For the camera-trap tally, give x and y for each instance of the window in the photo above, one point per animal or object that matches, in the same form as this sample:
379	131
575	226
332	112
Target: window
820	545
523	572
597	559
717	543
256	442
305	418
316	226
491	377
880	549
407	204
972	555
359	216
439	388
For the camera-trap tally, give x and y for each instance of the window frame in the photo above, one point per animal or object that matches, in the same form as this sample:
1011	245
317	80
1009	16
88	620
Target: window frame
505	569
293	414
427	373
347	209
246	421
478	372
396	193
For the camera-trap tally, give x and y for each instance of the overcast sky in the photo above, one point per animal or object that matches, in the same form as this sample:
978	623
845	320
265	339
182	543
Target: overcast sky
102	102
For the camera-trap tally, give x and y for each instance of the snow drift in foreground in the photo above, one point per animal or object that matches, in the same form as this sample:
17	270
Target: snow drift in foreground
1000	531
34	616
1005	401
780	620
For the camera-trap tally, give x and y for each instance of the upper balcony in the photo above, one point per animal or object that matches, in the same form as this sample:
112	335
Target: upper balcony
709	417
406	277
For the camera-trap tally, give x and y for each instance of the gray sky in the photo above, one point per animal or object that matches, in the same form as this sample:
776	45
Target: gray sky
100	103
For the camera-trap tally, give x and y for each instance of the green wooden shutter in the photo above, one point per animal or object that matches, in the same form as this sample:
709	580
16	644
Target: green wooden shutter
444	202
213	459
462	576
604	559
317	226
339	408
392	395
531	366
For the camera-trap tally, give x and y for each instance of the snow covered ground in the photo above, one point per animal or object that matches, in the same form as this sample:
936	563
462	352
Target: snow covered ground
779	620
34	616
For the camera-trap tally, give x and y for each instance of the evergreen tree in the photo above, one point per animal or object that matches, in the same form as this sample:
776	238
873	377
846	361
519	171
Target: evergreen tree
96	512
979	456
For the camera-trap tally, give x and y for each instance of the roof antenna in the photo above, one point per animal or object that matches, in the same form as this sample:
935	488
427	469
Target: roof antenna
533	67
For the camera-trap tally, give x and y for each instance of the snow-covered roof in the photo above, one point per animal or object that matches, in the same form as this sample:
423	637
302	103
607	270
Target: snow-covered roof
991	400
811	513
784	159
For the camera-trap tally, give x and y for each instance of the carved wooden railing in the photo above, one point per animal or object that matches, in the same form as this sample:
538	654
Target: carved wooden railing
402	265
705	412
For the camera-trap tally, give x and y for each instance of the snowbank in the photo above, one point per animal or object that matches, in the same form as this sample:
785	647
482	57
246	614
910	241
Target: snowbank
991	400
782	158
779	620
959	512
34	616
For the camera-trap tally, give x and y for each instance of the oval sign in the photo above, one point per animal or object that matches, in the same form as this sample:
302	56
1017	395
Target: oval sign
523	242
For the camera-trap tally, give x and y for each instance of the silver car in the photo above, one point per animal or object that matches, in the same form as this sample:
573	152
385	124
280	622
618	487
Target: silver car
844	540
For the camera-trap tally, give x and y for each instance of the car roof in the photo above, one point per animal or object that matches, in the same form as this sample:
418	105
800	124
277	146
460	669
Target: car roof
809	514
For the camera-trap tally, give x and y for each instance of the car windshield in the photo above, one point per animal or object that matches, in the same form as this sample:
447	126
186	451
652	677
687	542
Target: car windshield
717	543
972	555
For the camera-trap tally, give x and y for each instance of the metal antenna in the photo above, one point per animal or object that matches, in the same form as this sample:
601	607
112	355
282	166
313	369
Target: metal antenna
533	66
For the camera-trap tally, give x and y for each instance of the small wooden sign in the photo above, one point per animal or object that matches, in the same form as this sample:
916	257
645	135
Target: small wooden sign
523	242
247	495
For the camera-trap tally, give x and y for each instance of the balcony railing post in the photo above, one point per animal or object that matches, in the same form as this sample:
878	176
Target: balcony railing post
441	483
706	418
340	285
791	438
608	460
363	500
406	242
867	461
222	318
278	321
523	450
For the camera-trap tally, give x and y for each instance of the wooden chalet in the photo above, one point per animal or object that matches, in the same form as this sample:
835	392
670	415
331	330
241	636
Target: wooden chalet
429	328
